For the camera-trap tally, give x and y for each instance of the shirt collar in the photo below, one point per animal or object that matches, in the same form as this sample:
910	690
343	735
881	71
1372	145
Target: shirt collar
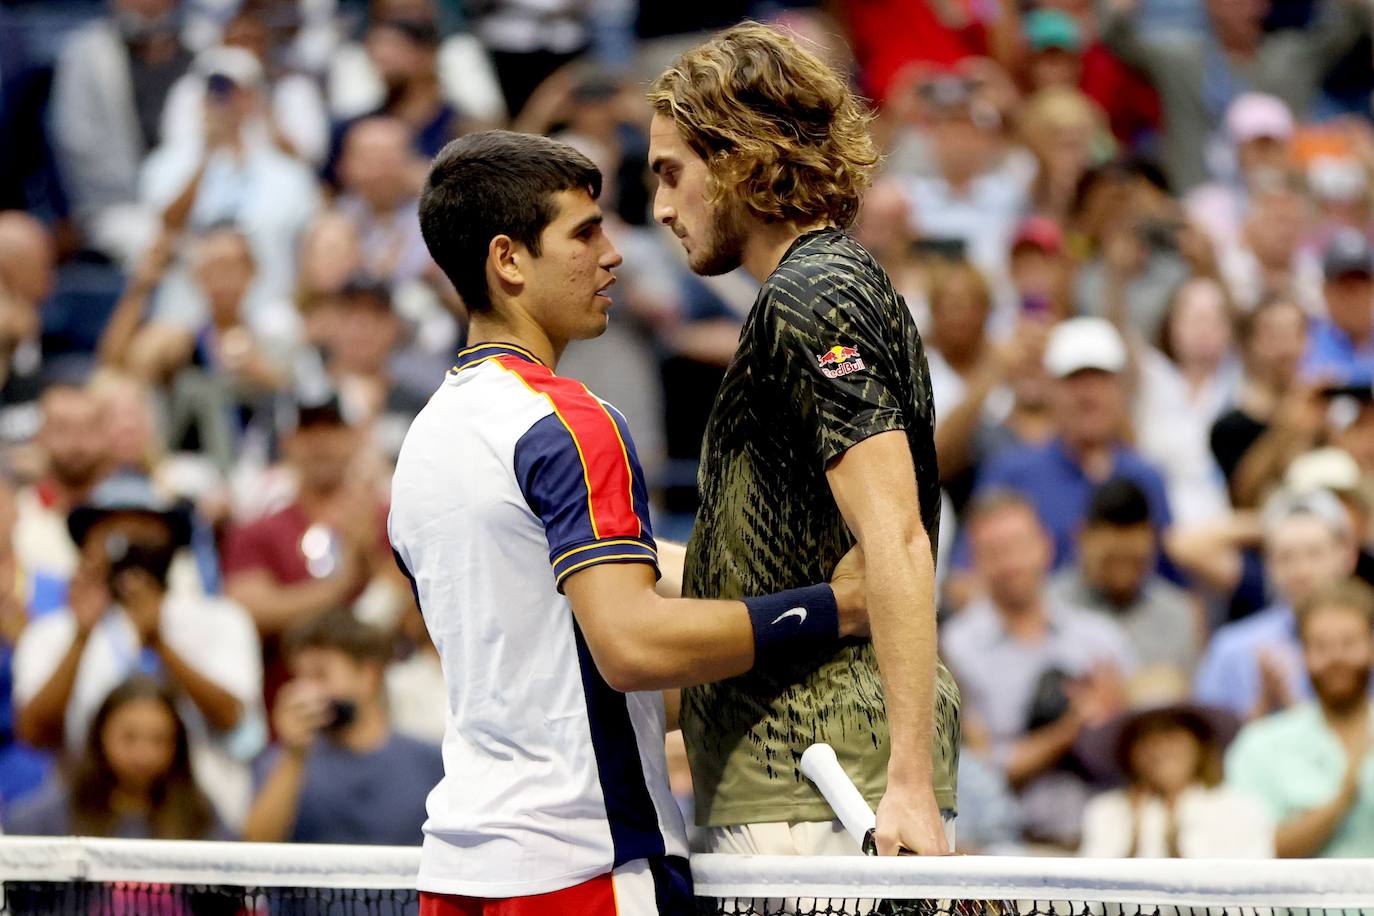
484	351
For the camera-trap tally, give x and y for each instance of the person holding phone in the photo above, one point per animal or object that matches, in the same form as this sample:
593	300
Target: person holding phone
339	773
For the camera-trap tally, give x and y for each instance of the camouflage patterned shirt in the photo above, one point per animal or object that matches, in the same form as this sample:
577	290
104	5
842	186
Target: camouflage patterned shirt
828	357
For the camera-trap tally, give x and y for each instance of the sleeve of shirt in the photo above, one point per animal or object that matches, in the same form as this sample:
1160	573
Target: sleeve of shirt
38	653
579	474
823	343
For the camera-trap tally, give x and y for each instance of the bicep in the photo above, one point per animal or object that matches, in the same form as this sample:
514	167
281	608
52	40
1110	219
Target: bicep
609	601
874	485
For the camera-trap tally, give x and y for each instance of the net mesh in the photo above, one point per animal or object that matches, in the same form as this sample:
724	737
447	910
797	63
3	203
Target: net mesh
147	878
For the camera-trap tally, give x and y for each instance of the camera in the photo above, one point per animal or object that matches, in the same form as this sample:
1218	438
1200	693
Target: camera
124	555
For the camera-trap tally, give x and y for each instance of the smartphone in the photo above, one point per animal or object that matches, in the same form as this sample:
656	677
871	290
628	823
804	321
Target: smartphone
950	249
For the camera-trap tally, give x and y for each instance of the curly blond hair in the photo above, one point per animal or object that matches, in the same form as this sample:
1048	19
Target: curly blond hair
775	125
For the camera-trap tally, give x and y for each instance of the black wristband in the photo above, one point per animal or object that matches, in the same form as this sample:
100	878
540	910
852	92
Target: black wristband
796	618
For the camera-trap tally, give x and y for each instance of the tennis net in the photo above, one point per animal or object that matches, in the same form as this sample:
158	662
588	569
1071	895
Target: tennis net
85	877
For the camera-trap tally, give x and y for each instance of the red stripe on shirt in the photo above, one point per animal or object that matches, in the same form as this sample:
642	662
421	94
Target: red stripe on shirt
605	460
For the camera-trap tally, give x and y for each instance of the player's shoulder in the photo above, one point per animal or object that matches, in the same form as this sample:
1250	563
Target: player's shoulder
824	265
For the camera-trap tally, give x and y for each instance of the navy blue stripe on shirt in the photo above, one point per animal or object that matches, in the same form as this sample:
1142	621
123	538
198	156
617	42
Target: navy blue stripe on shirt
673	892
630	812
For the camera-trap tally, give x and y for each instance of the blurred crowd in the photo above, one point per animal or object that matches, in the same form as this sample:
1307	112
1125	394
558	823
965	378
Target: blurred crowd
1137	236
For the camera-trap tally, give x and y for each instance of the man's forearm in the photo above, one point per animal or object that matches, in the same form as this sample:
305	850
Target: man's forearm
221	709
274	810
42	719
901	613
1304	835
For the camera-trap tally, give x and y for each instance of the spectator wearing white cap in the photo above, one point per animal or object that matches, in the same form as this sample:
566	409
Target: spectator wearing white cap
1340	348
1088	402
1254	666
293	105
1259	133
232	173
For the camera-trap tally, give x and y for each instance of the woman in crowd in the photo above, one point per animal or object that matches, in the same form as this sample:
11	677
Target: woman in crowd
1173	805
132	781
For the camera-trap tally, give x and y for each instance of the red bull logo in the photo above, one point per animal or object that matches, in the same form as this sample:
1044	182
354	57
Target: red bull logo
839	361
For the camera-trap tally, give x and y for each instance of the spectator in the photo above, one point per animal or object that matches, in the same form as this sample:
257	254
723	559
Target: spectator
1117	556
27	278
1341	346
1125	210
320	552
1174	804
339	773
1035	672
111	84
379	175
1275	417
74	444
527	44
22	767
970	376
294	113
466	78
1183	387
233	174
1253	666
1067	132
1085	357
220	372
132	780
976	187
1041	272
120	620
1199	75
1311	764
361	355
1267	259
1259	133
330	256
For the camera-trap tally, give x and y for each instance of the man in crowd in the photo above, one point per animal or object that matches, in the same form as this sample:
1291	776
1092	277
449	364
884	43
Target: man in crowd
27	277
1115	576
1341	348
1087	358
121	620
1034	672
320	552
1253	667
339	773
1313	765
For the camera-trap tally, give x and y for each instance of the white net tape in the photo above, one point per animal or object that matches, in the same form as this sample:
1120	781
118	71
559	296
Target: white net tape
760	885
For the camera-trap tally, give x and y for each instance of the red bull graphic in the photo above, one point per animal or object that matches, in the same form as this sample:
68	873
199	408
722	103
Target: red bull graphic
839	361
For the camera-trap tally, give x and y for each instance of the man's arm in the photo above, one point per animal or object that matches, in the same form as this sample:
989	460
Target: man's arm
643	641
274	606
874	484
300	713
1305	835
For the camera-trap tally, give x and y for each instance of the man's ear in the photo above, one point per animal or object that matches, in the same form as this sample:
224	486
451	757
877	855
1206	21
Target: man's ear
502	259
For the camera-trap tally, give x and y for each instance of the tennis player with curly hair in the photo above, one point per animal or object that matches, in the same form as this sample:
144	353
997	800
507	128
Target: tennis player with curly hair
822	434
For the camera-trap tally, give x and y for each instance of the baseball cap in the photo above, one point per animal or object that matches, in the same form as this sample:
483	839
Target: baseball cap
1084	343
1347	253
237	65
1046	29
1255	115
1320	504
1039	232
1332	469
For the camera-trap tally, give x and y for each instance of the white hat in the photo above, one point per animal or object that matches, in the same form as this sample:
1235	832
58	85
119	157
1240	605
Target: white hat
1332	469
1320	504
1084	343
1255	115
239	64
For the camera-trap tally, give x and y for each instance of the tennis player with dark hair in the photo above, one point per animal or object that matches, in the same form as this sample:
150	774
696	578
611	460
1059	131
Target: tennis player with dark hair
520	513
822	435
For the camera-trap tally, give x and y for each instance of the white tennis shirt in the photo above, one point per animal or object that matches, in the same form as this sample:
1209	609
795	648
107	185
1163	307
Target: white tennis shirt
510	480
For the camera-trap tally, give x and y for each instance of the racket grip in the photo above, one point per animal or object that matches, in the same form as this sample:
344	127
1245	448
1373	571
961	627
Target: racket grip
820	765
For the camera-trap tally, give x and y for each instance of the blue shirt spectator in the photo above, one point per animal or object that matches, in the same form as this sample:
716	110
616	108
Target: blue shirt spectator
1340	347
1254	666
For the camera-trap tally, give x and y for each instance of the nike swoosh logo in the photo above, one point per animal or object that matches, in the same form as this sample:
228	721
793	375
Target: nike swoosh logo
797	612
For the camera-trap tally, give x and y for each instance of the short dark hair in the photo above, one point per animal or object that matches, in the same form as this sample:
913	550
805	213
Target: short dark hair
1118	503
490	183
340	631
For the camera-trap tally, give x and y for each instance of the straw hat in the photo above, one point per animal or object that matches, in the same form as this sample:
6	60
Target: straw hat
1154	694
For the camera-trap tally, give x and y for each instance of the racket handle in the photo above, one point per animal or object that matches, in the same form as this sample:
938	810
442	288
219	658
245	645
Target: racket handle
820	765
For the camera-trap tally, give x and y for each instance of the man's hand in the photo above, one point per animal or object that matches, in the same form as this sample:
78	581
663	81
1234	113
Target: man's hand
909	821
851	596
141	597
1098	695
301	711
88	598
